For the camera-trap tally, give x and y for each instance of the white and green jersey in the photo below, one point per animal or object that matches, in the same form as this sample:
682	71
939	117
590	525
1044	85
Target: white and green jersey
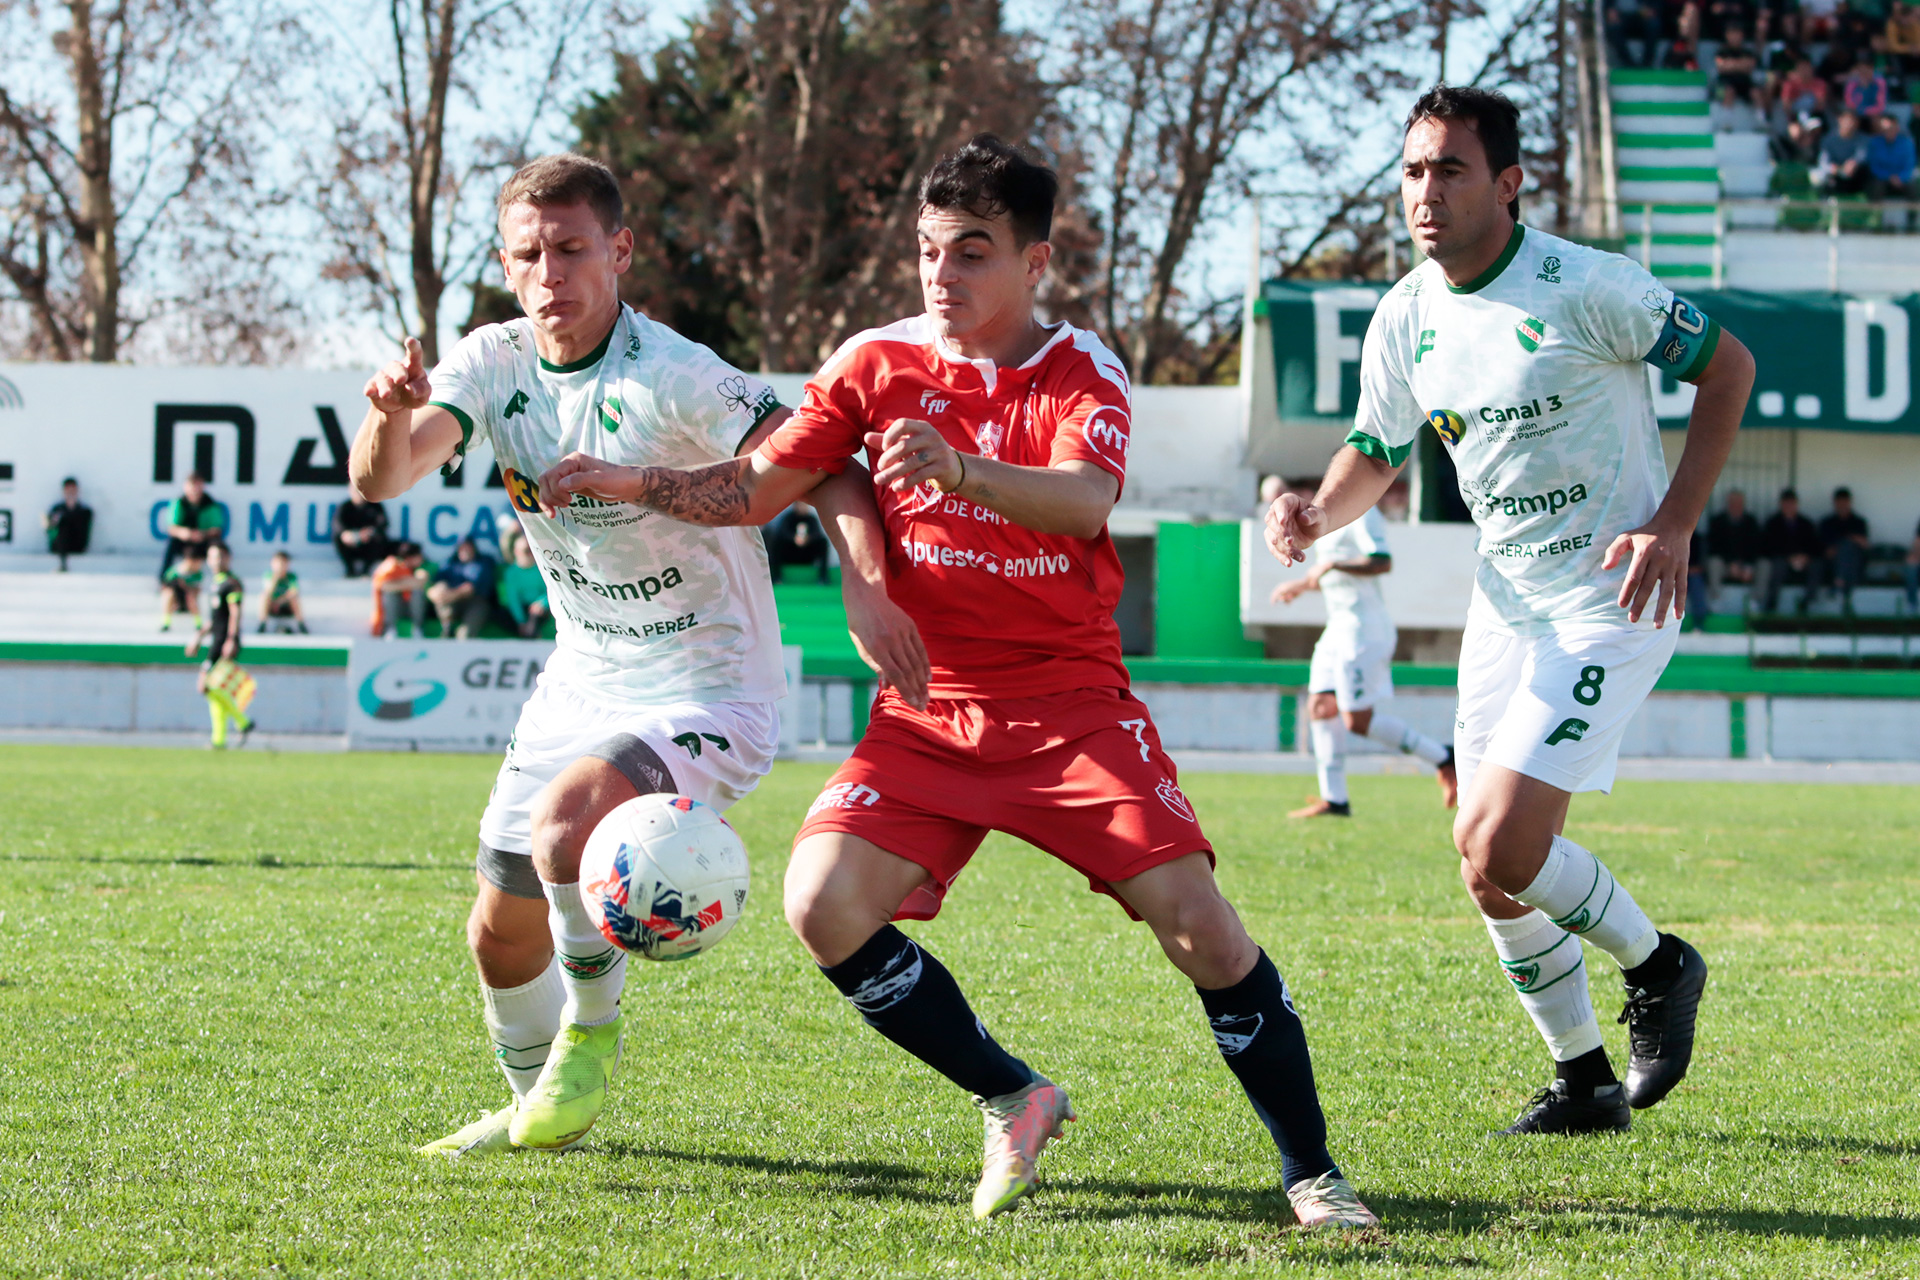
1531	374
1356	609
648	610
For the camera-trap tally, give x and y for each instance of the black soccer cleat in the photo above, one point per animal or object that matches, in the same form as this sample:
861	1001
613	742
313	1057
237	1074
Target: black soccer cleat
1556	1110
1660	1018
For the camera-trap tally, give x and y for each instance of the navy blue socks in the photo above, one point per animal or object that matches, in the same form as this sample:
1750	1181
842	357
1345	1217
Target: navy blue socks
910	998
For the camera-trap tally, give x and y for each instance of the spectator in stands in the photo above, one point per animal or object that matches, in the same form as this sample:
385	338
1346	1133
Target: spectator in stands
1865	91
1682	54
1910	572
1843	158
795	537
1698	602
180	586
400	583
360	535
1632	29
1731	112
69	523
194	519
1903	38
1789	544
462	592
1802	144
1890	160
523	589
1736	61
280	597
1833	67
1733	544
1772	116
1817	20
1843	539
1803	92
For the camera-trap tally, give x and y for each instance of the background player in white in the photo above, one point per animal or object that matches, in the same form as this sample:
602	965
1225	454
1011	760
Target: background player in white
1352	666
1525	352
668	663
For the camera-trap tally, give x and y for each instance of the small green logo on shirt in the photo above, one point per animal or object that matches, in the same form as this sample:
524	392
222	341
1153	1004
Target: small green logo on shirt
1549	270
518	404
610	414
1531	333
1570	730
1449	424
1423	345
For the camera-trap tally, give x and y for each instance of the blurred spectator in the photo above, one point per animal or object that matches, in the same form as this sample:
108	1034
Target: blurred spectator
1632	29
194	519
1910	571
1682	54
1736	61
180	585
462	592
69	523
1843	536
1865	91
360	535
1772	116
1698	602
1833	66
1890	160
1803	92
1802	145
1843	158
795	537
400	584
1719	17
1732	113
1903	38
1733	544
1789	544
1679	18
523	590
280	596
1816	20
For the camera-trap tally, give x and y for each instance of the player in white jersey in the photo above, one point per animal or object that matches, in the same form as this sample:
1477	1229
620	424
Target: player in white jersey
1525	352
1352	663
668	663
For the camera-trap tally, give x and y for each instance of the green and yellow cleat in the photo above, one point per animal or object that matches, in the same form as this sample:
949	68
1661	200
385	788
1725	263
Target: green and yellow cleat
1019	1126
572	1088
484	1136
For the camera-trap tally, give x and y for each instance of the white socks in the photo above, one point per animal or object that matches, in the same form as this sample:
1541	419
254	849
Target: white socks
1549	974
522	1022
593	970
1392	731
1330	757
1578	893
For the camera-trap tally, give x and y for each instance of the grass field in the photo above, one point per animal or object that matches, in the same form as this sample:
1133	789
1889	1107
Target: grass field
234	994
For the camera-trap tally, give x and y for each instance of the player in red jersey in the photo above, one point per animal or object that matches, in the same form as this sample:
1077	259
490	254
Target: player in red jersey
998	447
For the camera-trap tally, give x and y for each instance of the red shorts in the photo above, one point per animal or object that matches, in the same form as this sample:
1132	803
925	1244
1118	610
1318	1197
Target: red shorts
1080	775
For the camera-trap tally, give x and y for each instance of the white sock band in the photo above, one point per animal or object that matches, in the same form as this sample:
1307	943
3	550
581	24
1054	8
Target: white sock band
1330	758
1580	895
1392	731
593	970
1549	974
522	1022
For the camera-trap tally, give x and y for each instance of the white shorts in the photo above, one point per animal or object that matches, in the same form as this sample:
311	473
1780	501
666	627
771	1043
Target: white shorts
1358	675
1554	707
715	752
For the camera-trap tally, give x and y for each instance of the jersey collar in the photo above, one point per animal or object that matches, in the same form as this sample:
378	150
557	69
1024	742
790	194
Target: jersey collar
1492	273
989	371
592	357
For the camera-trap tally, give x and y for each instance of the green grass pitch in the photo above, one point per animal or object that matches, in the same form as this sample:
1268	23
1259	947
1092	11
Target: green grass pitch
234	994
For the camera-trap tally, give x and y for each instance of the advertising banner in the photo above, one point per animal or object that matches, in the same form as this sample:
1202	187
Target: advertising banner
1826	361
439	695
272	444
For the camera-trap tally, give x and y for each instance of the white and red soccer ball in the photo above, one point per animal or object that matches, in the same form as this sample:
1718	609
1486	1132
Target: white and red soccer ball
664	876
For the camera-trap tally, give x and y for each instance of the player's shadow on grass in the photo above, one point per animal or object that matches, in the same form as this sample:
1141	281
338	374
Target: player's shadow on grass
1432	1214
868	1179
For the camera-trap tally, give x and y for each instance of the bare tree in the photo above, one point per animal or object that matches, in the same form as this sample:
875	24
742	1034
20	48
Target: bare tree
450	96
108	155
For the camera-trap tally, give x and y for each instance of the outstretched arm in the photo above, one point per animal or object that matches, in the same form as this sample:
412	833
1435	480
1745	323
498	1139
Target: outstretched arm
403	438
746	490
1354	482
1073	498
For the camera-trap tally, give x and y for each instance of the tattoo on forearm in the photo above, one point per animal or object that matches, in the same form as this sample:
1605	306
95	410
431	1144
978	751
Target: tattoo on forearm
715	495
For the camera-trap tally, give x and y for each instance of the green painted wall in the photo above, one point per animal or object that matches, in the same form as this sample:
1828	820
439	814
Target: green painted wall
1196	593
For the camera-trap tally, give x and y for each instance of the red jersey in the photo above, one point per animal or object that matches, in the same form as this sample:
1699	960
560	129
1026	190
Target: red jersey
1005	612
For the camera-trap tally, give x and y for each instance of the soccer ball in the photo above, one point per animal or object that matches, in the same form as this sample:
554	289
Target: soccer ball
664	877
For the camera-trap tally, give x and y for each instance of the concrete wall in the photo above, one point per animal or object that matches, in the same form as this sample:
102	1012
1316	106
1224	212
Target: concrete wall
84	695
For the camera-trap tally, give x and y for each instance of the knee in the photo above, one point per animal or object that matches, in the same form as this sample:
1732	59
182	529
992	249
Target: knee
1204	938
557	838
812	907
1476	831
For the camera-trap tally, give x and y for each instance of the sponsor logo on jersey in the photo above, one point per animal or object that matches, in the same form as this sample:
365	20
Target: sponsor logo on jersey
988	437
1422	344
691	742
1550	503
610	413
931	553
1570	730
932	402
1655	301
845	795
1535	550
1106	433
1531	333
1549	270
521	492
517	403
1520	412
1450	425
645	588
1175	800
633	347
